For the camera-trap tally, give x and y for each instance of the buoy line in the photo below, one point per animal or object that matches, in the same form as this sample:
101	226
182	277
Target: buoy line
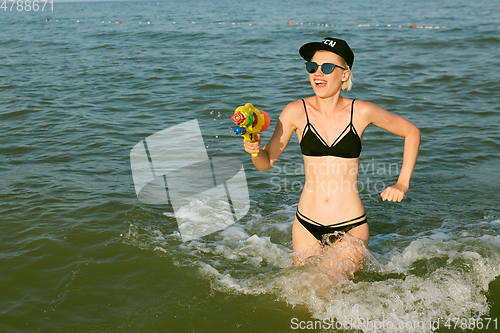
412	26
371	25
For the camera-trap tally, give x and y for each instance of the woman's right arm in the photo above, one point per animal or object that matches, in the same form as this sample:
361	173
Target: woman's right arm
282	133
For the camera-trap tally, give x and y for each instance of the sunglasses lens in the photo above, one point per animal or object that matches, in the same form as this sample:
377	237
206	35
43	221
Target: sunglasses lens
327	68
311	67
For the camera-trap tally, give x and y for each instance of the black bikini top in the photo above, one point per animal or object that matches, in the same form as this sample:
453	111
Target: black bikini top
347	146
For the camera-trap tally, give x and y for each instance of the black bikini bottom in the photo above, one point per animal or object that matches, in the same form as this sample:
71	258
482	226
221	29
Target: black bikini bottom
333	232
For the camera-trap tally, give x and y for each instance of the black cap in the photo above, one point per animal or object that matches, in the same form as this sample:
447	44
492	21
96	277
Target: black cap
337	46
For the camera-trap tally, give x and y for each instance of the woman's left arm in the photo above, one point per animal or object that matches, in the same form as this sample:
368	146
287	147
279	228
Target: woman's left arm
402	127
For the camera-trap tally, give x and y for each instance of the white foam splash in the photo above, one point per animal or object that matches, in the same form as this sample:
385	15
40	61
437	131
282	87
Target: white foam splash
441	274
436	277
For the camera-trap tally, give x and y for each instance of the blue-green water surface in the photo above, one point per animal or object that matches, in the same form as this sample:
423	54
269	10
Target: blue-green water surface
80	253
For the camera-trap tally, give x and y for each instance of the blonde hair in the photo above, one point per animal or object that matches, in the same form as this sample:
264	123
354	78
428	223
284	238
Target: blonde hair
347	85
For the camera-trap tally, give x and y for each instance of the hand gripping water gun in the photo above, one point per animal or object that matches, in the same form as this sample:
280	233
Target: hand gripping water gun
250	121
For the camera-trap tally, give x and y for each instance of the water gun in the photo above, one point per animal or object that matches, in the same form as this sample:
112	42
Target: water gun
250	121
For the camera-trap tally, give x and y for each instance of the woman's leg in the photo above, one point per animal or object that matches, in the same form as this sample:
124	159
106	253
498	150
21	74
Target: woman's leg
304	243
345	256
362	233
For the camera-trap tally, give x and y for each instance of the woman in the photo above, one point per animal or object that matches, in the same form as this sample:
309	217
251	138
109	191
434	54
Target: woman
330	129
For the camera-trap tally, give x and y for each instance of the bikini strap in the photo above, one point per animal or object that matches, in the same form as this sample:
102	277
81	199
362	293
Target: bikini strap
352	109
305	109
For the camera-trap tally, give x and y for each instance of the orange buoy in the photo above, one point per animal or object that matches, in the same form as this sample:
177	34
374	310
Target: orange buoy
47	20
120	22
413	26
290	23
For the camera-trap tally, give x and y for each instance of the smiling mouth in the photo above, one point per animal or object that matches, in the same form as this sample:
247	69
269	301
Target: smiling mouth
320	82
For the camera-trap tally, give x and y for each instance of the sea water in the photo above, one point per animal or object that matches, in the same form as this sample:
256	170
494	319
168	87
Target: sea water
79	251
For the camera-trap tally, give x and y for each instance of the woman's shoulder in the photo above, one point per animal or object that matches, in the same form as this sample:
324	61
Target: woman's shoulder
370	112
293	114
293	110
363	106
295	106
365	109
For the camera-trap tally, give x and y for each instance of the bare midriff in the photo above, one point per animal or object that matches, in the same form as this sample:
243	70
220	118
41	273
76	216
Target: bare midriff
330	194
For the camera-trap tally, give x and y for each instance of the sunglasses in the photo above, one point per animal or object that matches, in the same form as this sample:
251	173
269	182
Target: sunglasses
326	68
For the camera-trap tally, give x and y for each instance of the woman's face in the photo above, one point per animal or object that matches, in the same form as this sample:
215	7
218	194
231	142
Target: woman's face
327	85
